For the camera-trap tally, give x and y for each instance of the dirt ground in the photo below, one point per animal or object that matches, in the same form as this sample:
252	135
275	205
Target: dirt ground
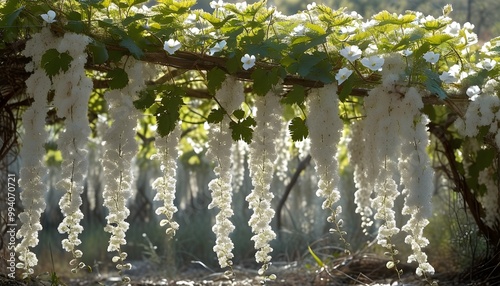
366	270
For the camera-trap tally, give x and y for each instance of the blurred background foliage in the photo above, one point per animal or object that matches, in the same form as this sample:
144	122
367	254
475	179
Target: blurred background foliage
482	13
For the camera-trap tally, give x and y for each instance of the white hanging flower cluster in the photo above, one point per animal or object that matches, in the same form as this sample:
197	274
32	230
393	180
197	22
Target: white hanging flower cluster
239	150
283	145
32	152
120	144
483	110
167	153
72	91
490	199
230	96
416	177
362	195
261	159
325	130
394	132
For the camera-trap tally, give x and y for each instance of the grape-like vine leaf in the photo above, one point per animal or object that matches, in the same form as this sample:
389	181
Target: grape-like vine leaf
147	98
167	113
215	77
298	129
53	62
118	78
242	130
295	96
216	115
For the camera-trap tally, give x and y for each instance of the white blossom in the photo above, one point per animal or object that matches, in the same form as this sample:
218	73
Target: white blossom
50	17
248	61
351	53
487	64
342	75
311	6
32	170
447	77
171	46
167	154
374	63
452	29
217	47
261	164
325	128
473	90
431	57
230	96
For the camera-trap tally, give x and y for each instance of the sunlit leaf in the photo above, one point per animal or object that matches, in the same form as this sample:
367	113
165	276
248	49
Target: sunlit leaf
242	130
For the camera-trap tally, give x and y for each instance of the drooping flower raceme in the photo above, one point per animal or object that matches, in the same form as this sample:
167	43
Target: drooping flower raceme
416	177
167	154
261	159
356	147
32	153
230	96
72	91
394	141
325	128
120	144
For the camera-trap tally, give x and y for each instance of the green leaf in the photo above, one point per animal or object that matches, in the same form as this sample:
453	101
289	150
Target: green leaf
131	19
75	23
133	48
433	84
295	96
476	79
298	129
439	39
99	52
215	78
9	15
147	98
315	257
307	62
346	87
239	114
118	78
168	113
242	130
301	44
53	62
216	115
264	80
